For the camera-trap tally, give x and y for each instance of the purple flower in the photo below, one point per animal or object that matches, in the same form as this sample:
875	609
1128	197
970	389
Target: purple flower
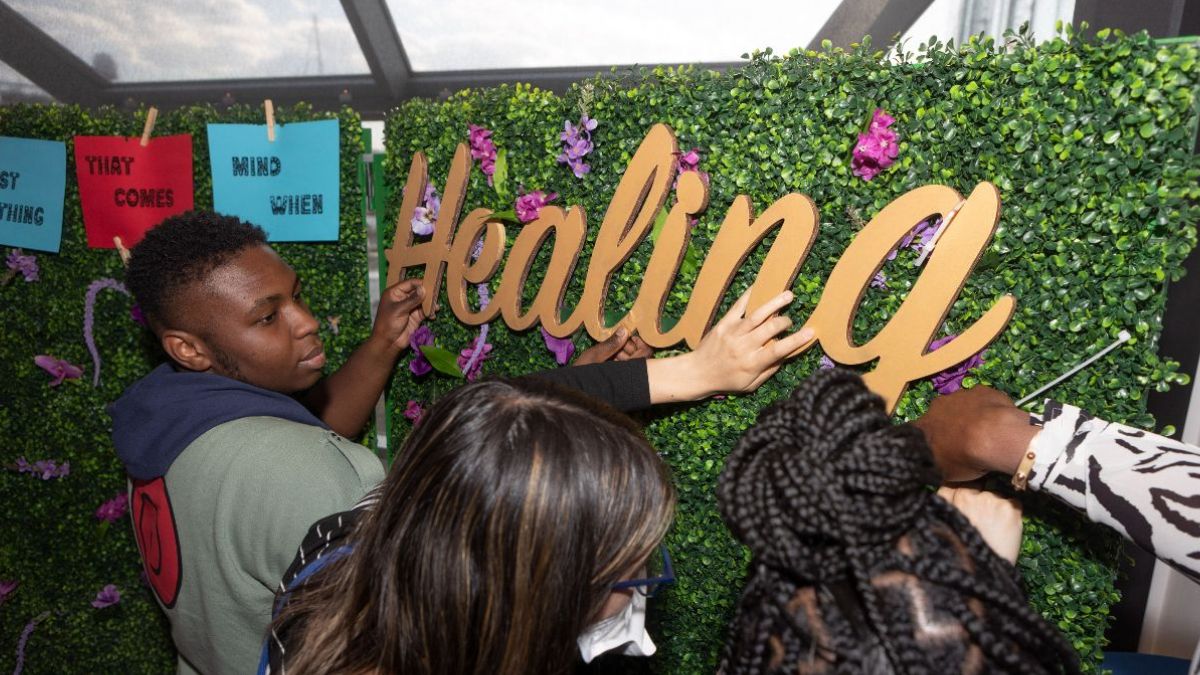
917	237
24	640
25	265
877	149
425	214
138	316
577	144
950	380
464	358
6	589
826	363
483	149
107	597
44	468
59	368
529	205
421	336
879	281
113	509
414	412
563	348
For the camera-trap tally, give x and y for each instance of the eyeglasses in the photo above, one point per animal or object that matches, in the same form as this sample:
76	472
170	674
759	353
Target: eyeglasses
659	573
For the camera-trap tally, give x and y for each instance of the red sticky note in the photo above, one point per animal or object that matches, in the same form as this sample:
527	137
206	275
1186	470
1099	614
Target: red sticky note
126	189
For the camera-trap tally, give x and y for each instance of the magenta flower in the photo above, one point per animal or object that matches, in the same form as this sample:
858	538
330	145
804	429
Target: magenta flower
419	365
483	149
138	316
113	509
529	205
107	597
563	348
471	370
59	368
577	144
414	412
44	468
425	215
688	161
826	363
877	149
19	263
6	589
950	380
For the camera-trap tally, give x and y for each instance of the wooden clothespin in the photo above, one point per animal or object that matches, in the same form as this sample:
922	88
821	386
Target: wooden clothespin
121	250
270	110
151	118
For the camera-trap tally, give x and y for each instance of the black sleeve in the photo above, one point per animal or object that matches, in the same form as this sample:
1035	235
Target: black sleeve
622	384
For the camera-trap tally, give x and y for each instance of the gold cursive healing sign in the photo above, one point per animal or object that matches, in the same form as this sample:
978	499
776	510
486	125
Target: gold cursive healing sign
900	346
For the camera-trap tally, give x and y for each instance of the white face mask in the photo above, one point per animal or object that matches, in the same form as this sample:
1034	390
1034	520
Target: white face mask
625	631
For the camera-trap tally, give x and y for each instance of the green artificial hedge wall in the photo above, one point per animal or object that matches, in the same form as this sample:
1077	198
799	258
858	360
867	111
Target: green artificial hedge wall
1089	141
51	541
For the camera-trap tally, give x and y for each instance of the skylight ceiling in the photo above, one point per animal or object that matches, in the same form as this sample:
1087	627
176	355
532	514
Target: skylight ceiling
149	40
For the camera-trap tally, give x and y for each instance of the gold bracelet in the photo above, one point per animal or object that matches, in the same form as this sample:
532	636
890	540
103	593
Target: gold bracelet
1020	479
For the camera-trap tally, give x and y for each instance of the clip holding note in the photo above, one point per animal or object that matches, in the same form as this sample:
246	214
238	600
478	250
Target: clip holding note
270	110
928	248
148	128
121	251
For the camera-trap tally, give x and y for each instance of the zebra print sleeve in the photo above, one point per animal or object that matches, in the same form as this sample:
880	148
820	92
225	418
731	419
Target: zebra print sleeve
1145	486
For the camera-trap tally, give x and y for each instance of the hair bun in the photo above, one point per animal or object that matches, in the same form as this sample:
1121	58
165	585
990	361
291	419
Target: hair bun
822	473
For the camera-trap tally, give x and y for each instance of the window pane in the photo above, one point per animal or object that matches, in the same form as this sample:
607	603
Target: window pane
479	34
147	40
16	89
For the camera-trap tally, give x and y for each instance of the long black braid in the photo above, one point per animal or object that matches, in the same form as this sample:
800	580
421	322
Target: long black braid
857	566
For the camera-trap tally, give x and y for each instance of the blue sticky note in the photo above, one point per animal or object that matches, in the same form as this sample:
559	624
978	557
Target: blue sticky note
289	187
33	184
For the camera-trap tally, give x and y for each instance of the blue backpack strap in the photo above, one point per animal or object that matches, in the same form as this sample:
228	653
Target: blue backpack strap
307	571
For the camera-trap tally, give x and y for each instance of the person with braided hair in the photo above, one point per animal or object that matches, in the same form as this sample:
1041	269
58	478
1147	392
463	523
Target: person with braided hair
858	566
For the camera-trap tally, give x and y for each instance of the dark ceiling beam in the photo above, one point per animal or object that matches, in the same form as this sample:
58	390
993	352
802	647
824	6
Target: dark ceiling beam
46	63
380	43
883	20
323	92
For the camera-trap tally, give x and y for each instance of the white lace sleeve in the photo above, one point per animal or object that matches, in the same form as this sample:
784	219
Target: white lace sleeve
1145	486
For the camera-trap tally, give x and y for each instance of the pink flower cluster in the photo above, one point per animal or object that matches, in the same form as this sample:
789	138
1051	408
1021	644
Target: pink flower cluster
483	149
107	597
563	348
529	204
689	161
113	509
425	215
422	336
44	468
19	263
414	412
577	143
950	380
59	368
876	150
471	370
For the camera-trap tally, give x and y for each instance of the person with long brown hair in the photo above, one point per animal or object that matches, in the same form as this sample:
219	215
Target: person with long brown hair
516	526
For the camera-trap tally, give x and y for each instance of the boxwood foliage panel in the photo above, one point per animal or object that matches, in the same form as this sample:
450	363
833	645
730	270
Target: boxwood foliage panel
53	545
1088	141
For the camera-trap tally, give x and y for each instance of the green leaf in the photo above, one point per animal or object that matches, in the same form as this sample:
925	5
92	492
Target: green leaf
500	177
442	360
1112	136
659	221
507	216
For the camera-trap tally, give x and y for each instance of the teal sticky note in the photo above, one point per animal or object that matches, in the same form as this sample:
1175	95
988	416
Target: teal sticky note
288	186
33	184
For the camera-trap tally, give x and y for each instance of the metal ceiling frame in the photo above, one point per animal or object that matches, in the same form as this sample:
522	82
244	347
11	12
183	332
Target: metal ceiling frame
55	69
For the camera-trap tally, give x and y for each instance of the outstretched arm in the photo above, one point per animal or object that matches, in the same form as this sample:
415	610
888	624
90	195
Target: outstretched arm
1140	484
344	400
